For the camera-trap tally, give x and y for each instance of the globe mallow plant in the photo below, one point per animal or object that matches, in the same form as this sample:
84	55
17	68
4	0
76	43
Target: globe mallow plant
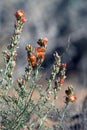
20	111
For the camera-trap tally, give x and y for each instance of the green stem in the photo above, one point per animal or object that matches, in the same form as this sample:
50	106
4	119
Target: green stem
63	115
15	127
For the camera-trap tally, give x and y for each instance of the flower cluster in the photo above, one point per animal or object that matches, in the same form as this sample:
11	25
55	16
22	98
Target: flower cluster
58	73
36	56
55	70
62	74
20	15
70	96
11	53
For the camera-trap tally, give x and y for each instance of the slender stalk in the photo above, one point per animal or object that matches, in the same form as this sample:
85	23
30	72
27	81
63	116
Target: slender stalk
15	127
63	115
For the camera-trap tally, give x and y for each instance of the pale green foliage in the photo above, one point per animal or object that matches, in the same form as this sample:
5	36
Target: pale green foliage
21	110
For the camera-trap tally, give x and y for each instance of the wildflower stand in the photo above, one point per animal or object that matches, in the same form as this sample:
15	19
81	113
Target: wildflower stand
20	111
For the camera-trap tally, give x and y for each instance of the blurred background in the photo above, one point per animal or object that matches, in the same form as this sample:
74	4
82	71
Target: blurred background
64	23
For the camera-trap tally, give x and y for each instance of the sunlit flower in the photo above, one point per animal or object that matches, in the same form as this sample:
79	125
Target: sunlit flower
19	14
72	98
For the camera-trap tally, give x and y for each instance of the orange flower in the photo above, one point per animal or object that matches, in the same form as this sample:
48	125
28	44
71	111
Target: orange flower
32	58
23	19
33	64
72	98
19	14
63	66
40	53
40	56
61	81
40	50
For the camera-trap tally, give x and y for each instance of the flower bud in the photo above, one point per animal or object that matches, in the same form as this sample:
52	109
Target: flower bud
21	82
14	54
23	19
29	48
19	14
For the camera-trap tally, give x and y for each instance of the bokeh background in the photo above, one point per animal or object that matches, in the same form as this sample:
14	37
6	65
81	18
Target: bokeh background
64	22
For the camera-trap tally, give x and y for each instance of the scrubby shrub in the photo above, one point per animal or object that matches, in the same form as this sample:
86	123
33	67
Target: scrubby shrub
20	111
